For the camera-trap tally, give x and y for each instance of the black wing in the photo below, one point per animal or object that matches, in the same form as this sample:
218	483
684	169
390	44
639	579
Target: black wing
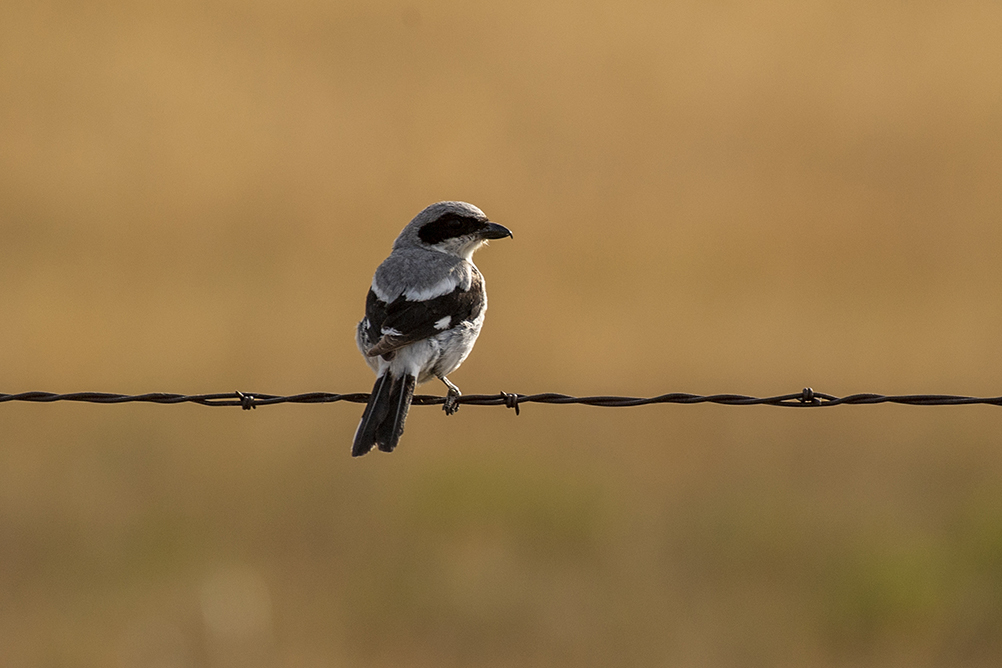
401	322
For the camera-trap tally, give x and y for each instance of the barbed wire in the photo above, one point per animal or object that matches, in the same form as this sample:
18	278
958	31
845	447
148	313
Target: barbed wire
806	398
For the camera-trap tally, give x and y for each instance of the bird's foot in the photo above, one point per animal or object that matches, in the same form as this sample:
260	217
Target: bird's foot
452	401
451	404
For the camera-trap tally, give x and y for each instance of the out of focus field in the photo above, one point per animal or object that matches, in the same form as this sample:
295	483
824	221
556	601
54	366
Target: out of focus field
706	197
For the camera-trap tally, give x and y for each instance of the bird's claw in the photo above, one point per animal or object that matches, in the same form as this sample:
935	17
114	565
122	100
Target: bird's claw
451	404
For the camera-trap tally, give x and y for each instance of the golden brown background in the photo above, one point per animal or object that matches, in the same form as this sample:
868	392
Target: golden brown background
706	197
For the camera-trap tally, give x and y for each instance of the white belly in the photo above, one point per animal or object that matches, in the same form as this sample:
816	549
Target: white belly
434	357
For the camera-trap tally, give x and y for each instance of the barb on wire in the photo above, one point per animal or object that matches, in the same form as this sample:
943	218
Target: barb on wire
806	398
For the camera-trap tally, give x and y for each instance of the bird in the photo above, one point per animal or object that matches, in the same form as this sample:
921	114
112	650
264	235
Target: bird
423	313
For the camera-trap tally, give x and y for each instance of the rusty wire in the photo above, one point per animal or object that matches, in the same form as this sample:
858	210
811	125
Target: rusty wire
806	398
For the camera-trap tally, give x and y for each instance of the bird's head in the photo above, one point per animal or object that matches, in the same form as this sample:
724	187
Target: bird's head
456	228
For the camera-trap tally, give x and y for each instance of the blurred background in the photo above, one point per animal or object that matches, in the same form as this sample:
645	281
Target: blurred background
706	197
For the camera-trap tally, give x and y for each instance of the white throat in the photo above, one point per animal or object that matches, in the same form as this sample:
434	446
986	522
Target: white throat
463	247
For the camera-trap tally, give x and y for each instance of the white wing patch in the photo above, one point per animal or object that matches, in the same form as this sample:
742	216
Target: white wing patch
390	331
443	323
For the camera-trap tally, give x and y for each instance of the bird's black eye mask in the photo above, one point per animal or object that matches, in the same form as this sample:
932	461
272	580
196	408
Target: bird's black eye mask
449	226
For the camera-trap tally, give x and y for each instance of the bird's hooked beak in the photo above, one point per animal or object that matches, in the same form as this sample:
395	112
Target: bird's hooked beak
495	231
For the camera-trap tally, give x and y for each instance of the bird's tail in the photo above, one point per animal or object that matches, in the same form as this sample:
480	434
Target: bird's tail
383	420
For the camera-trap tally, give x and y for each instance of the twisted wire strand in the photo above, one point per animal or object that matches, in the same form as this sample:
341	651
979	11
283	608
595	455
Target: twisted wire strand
806	398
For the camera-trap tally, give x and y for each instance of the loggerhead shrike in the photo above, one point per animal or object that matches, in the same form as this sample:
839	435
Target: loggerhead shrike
422	315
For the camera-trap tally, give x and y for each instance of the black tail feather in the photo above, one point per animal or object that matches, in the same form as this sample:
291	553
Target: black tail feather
383	419
388	433
375	413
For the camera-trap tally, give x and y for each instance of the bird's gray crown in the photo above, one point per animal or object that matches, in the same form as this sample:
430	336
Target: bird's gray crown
439	222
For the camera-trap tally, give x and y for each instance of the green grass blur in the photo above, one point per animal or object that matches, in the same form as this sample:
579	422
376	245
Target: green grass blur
706	197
